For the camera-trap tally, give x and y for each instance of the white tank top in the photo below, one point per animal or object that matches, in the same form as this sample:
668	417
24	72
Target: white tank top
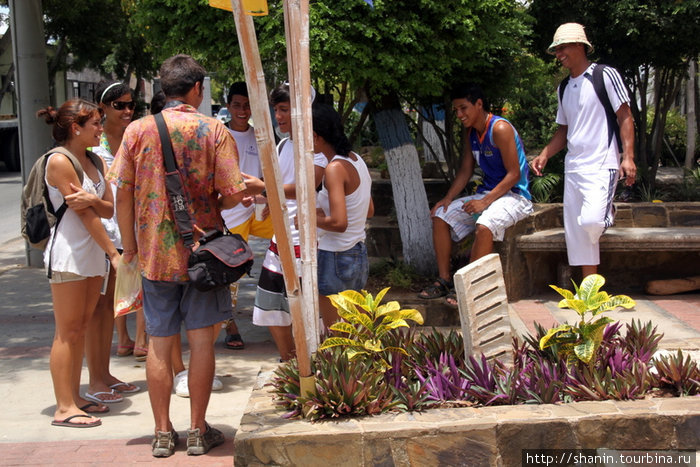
357	205
74	249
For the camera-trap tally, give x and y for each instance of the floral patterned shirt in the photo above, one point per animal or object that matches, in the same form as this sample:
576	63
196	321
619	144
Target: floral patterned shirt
207	158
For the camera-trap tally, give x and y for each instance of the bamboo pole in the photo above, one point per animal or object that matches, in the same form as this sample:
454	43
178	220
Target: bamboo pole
296	22
257	90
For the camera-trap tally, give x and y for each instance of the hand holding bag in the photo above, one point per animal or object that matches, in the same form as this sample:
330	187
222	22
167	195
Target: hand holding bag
220	258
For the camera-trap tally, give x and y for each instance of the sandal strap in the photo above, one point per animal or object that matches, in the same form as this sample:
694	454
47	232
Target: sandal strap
447	285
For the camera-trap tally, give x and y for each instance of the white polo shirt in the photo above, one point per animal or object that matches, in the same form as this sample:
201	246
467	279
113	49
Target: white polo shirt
588	147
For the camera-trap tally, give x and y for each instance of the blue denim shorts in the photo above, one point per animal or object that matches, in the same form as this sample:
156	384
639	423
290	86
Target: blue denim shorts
166	305
342	270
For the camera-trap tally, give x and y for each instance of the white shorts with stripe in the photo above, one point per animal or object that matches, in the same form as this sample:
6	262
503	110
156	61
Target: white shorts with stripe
271	306
588	212
501	214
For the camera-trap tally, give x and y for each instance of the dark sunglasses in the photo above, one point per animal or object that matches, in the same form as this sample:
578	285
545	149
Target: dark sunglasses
120	105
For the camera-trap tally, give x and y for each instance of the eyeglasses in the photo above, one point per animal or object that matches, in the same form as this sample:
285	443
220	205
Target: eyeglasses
121	105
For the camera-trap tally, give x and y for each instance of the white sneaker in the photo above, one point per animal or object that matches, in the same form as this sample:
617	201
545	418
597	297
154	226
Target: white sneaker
182	389
217	385
180	384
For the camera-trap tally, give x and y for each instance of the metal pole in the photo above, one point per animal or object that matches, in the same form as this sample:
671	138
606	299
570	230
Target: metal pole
32	89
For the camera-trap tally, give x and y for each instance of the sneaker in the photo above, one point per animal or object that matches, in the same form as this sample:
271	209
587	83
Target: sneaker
180	384
164	443
217	385
198	444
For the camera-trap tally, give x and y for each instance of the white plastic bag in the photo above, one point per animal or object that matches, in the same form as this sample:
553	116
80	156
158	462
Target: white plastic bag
128	296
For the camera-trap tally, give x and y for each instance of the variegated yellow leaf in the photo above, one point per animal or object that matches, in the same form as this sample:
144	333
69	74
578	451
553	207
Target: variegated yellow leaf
343	327
563	292
337	342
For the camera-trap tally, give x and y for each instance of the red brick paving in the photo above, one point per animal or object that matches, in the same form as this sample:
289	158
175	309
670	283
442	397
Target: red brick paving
686	309
532	311
108	452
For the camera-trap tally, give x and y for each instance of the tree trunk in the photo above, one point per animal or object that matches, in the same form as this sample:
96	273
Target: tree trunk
410	199
430	122
668	85
639	95
690	118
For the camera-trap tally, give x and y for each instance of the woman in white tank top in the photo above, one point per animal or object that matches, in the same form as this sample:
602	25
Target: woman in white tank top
78	254
344	204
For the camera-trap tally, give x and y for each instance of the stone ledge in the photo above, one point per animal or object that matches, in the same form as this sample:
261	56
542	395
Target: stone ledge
620	239
463	436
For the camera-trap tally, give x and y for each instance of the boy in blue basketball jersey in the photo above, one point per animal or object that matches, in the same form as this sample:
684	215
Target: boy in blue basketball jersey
502	200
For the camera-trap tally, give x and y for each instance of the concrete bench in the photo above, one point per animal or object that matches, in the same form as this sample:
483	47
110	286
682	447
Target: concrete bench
619	239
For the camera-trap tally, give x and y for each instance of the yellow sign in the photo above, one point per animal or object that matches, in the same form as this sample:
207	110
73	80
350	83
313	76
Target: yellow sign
223	4
255	7
250	7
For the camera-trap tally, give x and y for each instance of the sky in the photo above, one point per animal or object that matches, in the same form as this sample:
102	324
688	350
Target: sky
4	12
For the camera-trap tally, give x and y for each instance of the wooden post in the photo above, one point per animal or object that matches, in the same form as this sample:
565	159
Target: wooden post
257	90
296	25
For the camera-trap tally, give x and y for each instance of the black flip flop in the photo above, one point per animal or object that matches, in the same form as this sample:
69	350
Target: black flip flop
67	422
234	342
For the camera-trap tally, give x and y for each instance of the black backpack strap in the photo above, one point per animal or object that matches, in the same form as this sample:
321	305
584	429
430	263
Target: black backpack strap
49	205
562	87
599	86
173	183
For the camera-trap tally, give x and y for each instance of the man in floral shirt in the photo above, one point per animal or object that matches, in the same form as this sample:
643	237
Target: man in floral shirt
207	158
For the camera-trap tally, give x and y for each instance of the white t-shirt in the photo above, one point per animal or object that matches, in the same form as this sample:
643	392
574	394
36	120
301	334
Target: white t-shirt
248	162
588	149
285	149
357	205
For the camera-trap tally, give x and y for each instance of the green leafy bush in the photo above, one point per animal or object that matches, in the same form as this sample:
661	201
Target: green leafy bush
580	341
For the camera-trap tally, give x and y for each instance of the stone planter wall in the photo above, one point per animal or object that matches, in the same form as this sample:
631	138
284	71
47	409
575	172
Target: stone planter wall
489	436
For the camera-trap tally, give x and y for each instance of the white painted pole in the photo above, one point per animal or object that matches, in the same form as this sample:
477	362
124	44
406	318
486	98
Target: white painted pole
32	89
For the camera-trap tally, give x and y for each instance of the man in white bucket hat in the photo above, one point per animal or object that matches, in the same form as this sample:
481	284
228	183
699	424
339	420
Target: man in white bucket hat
597	127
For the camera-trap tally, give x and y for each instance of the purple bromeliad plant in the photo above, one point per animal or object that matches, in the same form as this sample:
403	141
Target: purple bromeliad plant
443	379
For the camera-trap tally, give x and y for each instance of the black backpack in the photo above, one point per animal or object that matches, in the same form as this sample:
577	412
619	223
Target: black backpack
36	210
599	87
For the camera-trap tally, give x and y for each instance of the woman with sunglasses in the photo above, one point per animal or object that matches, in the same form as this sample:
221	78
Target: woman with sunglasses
115	99
77	253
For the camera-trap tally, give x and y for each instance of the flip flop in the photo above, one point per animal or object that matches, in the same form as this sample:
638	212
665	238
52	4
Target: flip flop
101	408
125	350
234	342
130	388
141	357
67	422
96	397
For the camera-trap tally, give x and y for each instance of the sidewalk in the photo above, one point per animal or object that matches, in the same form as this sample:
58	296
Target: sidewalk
26	393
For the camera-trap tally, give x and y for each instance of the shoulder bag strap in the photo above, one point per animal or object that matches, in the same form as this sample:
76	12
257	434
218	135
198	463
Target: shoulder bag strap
173	183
